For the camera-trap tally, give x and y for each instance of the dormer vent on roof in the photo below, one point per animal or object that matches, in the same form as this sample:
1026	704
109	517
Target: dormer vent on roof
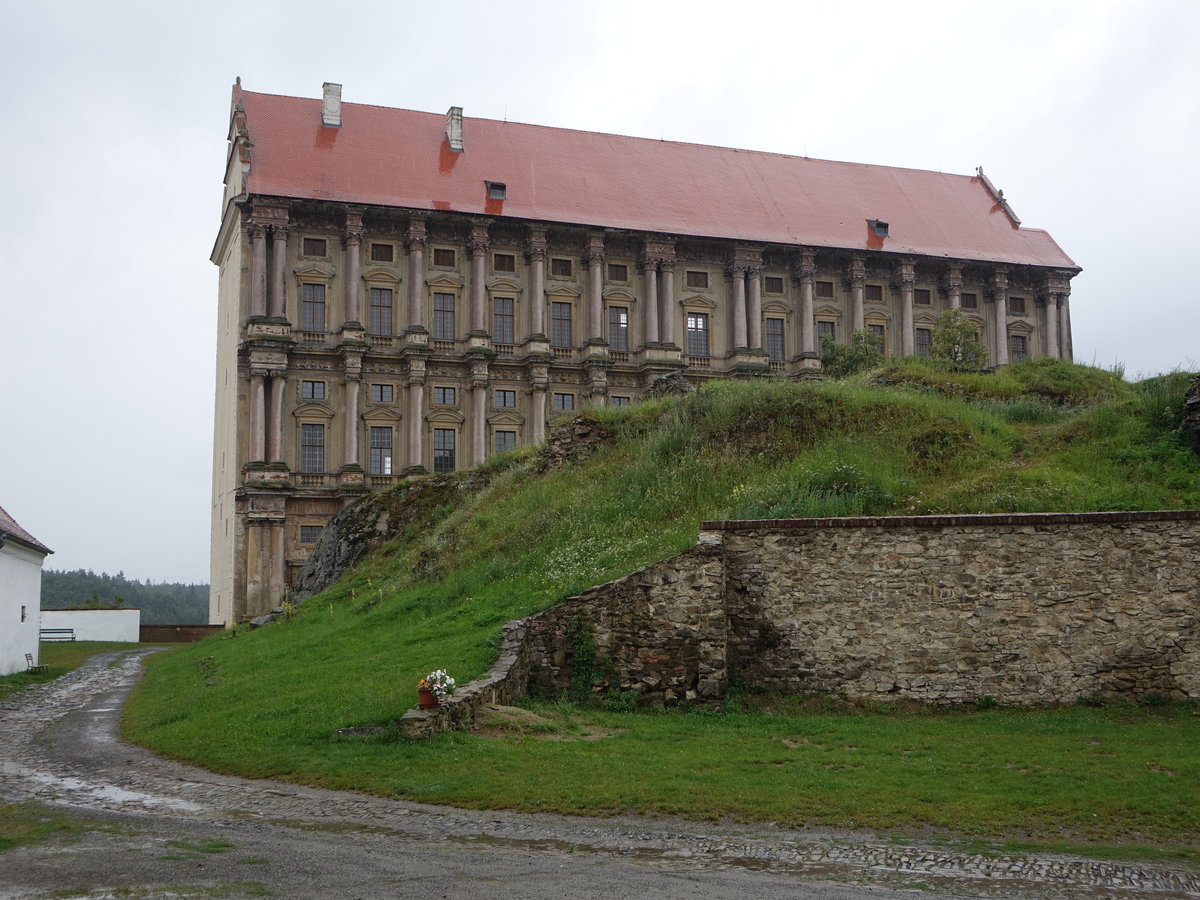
497	190
331	109
454	131
880	228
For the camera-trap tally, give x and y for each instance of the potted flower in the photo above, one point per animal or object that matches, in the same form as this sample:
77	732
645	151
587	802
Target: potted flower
434	688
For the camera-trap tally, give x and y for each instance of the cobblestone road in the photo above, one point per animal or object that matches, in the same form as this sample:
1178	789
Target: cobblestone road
167	830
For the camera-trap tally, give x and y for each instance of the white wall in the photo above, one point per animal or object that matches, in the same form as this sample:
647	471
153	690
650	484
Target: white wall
20	605
96	624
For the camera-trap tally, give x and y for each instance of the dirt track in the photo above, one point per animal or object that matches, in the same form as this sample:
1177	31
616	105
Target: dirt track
167	830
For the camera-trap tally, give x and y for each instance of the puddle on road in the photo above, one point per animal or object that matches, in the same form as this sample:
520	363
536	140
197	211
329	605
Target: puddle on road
79	792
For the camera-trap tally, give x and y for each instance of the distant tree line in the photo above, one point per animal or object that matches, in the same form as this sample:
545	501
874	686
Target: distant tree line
161	604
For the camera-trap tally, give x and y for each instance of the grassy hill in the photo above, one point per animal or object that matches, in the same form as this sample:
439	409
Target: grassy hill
1039	436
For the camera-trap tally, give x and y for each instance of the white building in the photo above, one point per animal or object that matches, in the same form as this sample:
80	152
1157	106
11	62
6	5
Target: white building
21	558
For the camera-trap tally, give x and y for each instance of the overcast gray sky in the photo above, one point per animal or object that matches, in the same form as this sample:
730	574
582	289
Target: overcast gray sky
114	124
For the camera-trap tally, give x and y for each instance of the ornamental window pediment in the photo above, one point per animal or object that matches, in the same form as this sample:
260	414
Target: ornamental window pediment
504	286
619	295
697	301
828	310
313	411
508	417
1020	326
445	417
376	275
381	415
777	307
319	271
563	292
925	320
445	281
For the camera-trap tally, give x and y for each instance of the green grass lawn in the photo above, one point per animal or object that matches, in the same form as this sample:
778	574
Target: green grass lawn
1042	436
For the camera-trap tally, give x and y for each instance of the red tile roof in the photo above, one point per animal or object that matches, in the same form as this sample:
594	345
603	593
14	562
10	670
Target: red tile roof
395	157
10	529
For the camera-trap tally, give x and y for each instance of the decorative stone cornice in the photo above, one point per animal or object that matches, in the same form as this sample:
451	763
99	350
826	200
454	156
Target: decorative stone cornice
806	268
856	271
537	244
594	251
904	276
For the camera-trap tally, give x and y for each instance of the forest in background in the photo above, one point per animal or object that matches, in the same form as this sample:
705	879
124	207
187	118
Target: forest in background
161	604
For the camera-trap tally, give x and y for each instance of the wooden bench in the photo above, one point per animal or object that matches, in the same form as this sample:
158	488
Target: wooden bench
31	666
58	634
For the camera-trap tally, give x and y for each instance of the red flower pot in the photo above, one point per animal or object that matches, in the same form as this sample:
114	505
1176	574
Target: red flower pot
427	699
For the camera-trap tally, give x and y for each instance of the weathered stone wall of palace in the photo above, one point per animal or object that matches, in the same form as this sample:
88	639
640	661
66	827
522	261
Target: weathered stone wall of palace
1026	609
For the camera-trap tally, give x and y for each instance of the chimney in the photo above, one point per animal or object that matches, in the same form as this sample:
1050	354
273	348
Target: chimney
331	112
454	129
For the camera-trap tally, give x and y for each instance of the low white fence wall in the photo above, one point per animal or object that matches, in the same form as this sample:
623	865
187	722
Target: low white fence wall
96	624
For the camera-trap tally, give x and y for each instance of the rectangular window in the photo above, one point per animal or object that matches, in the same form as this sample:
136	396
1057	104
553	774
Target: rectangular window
443	257
506	398
697	334
381	311
823	289
1016	306
312	390
381	450
381	393
309	534
969	301
443	450
923	297
826	330
618	272
873	293
773	284
618	328
774	336
502	320
562	268
443	317
506	440
618	401
697	280
560	324
924	337
312	307
564	402
312	448
383	253
504	262
1017	348
443	396
313	247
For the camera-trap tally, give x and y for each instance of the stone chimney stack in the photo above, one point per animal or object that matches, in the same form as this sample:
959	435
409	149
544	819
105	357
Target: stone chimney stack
331	112
454	131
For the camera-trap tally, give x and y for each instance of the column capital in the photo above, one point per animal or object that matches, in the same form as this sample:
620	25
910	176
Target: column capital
478	242
905	274
538	245
280	231
856	271
804	270
648	264
416	233
594	251
256	230
952	278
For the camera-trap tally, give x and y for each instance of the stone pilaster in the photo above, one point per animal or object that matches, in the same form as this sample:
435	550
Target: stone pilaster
856	280
649	297
905	279
275	418
479	251
535	320
754	307
737	276
257	449
350	434
666	306
952	283
808	329
277	301
416	415
416	275
1000	299
479	425
539	383
276	579
594	254
258	269
352	242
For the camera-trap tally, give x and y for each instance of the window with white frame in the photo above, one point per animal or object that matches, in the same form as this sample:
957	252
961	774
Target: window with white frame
697	334
774	339
312	390
618	328
381	450
564	402
923	341
312	448
505	440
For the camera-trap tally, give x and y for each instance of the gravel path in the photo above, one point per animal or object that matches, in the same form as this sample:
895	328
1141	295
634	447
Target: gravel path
162	829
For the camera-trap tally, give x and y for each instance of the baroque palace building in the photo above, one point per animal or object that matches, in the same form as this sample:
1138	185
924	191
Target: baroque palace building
405	292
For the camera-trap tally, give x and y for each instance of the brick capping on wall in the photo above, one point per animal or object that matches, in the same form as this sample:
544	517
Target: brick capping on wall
1028	609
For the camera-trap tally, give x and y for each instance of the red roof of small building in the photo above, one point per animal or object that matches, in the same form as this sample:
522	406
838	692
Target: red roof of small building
10	529
397	157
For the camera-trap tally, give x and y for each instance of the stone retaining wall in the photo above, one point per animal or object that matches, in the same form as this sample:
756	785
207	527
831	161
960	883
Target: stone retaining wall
1025	609
155	634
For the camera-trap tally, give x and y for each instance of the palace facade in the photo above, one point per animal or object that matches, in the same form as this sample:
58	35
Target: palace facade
404	292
